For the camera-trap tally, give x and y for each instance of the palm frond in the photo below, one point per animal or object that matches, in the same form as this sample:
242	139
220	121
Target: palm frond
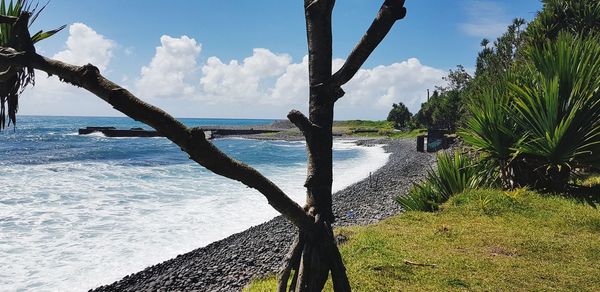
455	173
559	106
42	35
490	128
15	79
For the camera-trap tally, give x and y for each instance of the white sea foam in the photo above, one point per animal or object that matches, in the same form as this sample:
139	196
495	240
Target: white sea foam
75	226
96	134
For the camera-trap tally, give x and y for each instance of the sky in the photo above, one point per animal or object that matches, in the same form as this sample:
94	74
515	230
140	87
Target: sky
247	59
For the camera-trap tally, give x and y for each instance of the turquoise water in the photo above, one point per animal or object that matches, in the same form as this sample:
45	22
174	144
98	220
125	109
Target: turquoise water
81	211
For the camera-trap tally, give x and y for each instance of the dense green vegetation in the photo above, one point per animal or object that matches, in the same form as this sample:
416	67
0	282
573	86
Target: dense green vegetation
532	111
454	174
543	121
578	17
399	115
535	130
480	240
362	124
443	109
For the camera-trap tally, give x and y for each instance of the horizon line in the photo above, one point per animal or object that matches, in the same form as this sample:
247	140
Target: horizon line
124	116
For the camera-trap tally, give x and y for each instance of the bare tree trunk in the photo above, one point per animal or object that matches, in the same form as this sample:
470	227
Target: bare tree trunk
319	253
314	253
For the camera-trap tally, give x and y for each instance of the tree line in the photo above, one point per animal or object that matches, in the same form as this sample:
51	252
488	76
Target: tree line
530	117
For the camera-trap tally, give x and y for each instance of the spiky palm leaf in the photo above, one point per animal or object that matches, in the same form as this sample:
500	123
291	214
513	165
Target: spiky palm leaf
491	129
578	17
558	104
455	173
14	79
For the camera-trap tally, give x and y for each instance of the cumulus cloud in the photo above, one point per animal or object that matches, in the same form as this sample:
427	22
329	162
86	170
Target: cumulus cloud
50	96
242	81
264	84
485	19
85	45
371	92
379	87
269	83
292	86
171	68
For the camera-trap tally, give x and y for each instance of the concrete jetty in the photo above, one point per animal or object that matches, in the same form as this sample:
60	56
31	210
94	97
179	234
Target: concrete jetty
139	132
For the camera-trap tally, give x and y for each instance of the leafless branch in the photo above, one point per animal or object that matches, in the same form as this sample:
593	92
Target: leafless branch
292	261
389	13
8	19
302	122
191	140
10	53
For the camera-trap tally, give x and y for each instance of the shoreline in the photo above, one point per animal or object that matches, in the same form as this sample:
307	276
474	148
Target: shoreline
231	263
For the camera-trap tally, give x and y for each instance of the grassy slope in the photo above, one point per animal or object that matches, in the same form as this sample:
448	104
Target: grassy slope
481	240
384	128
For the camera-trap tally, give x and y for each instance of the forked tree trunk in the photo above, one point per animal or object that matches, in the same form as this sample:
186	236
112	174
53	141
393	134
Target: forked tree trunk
314	253
312	256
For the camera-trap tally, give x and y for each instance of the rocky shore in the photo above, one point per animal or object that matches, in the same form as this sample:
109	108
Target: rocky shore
231	263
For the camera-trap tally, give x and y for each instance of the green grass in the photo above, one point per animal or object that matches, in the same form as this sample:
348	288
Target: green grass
381	128
348	128
410	134
455	172
480	240
391	134
589	180
364	124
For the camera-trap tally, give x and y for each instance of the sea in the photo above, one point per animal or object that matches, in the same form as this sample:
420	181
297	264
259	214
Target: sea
80	211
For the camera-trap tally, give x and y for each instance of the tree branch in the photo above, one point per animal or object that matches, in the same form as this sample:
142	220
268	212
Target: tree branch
8	19
309	130
302	122
292	261
191	140
12	55
389	13
338	271
7	71
304	269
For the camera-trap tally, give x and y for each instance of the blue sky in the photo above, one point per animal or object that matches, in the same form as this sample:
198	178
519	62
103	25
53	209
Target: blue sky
193	74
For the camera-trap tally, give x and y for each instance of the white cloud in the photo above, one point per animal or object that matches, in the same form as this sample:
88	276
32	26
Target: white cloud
263	85
129	51
85	45
371	93
267	84
375	90
242	81
292	86
485	19
50	96
171	68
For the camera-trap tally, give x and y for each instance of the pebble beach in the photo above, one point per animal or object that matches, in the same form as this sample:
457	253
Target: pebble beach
231	263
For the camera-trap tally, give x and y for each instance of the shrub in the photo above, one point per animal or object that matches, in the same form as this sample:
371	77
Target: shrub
544	120
455	173
491	130
558	104
399	115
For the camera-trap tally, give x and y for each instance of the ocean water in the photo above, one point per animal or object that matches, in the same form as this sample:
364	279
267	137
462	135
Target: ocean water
77	211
